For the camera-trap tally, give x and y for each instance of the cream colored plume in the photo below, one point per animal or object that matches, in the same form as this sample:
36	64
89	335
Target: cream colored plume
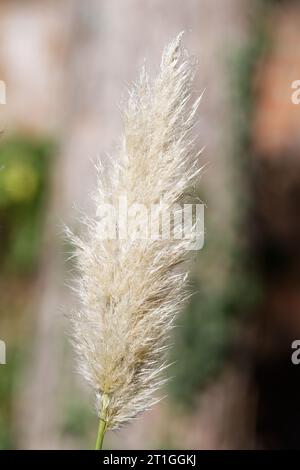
131	289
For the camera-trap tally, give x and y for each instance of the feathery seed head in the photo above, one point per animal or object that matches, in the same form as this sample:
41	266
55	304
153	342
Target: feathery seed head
130	289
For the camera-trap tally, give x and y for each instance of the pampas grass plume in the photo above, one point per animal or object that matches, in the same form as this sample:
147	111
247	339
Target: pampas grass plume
130	290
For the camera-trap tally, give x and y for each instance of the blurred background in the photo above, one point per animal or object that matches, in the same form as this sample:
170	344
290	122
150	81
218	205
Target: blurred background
66	66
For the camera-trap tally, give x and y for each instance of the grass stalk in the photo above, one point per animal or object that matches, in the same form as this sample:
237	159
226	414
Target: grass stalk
102	422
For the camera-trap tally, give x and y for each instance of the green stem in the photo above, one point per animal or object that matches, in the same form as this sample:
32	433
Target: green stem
100	435
102	421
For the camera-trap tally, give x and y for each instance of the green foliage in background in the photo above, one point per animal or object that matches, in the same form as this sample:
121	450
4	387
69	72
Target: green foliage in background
205	331
24	164
8	374
24	176
78	419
